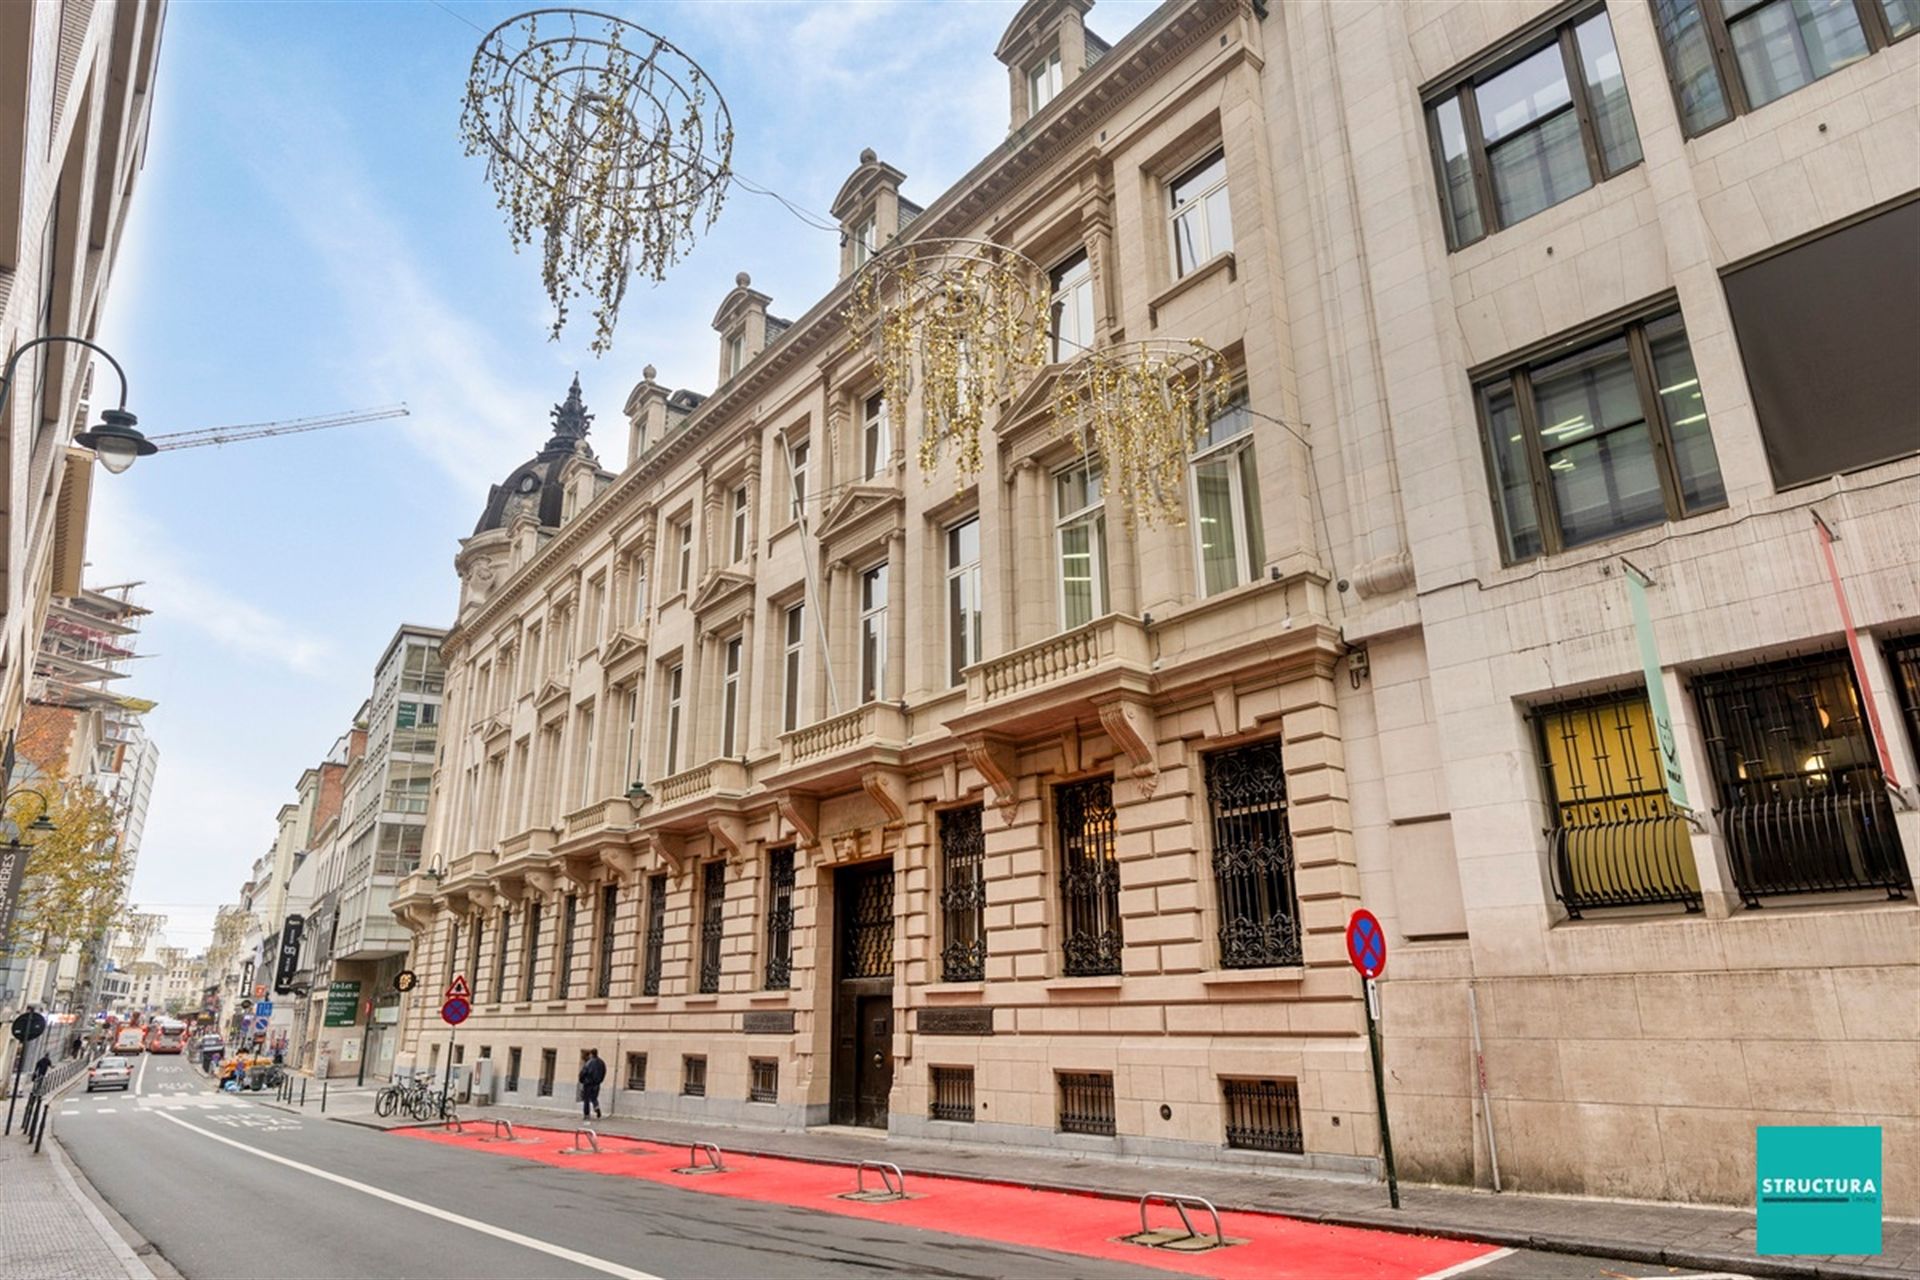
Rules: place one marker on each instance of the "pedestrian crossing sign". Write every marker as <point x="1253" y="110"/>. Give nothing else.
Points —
<point x="458" y="989"/>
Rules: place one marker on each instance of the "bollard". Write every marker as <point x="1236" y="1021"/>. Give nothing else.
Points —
<point x="303" y="1091"/>
<point x="42" y="1133"/>
<point x="323" y="1097"/>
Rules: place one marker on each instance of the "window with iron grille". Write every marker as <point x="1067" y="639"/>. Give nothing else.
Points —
<point x="1253" y="857"/>
<point x="779" y="919"/>
<point x="513" y="1071"/>
<point x="530" y="952"/>
<point x="474" y="936"/>
<point x="1263" y="1115"/>
<point x="637" y="1072"/>
<point x="1616" y="840"/>
<point x="867" y="947"/>
<point x="1803" y="805"/>
<point x="563" y="972"/>
<point x="952" y="1094"/>
<point x="500" y="954"/>
<point x="963" y="896"/>
<point x="713" y="901"/>
<point x="1089" y="877"/>
<point x="656" y="933"/>
<point x="1903" y="656"/>
<point x="1086" y="1102"/>
<point x="764" y="1082"/>
<point x="603" y="963"/>
<point x="693" y="1076"/>
<point x="549" y="1062"/>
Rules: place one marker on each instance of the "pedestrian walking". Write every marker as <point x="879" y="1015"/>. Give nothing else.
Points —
<point x="40" y="1070"/>
<point x="592" y="1072"/>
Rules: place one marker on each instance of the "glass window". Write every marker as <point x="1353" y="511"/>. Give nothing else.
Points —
<point x="713" y="922"/>
<point x="1226" y="503"/>
<point x="1739" y="55"/>
<point x="683" y="532"/>
<point x="963" y="896"/>
<point x="865" y="241"/>
<point x="739" y="524"/>
<point x="1202" y="220"/>
<point x="674" y="675"/>
<point x="1043" y="82"/>
<point x="876" y="451"/>
<point x="730" y="699"/>
<point x="792" y="671"/>
<point x="1253" y="857"/>
<point x="584" y="758"/>
<point x="1080" y="523"/>
<point x="799" y="457"/>
<point x="1089" y="877"/>
<point x="1532" y="131"/>
<point x="736" y="353"/>
<point x="873" y="633"/>
<point x="780" y="878"/>
<point x="1072" y="307"/>
<point x="654" y="950"/>
<point x="628" y="776"/>
<point x="963" y="598"/>
<point x="1609" y="438"/>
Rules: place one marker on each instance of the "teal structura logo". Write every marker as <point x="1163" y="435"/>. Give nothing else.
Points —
<point x="1818" y="1188"/>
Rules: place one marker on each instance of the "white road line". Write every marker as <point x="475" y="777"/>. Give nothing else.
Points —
<point x="1461" y="1268"/>
<point x="141" y="1078"/>
<point x="484" y="1228"/>
<point x="104" y="1111"/>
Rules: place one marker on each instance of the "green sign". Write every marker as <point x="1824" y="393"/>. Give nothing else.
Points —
<point x="1819" y="1188"/>
<point x="343" y="1004"/>
<point x="1669" y="749"/>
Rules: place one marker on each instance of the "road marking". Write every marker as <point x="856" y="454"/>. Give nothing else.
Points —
<point x="140" y="1078"/>
<point x="1461" y="1268"/>
<point x="379" y="1193"/>
<point x="104" y="1111"/>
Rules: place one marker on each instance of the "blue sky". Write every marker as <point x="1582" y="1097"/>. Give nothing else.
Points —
<point x="308" y="236"/>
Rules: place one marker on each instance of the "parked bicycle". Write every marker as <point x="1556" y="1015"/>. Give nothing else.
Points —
<point x="419" y="1097"/>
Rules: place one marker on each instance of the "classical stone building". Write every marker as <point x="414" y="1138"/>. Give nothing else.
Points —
<point x="807" y="788"/>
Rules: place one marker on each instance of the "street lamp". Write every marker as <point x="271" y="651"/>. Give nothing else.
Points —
<point x="117" y="441"/>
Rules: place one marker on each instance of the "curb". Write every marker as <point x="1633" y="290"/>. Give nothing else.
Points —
<point x="1750" y="1265"/>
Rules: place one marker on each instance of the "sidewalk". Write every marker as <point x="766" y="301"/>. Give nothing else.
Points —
<point x="48" y="1227"/>
<point x="1698" y="1238"/>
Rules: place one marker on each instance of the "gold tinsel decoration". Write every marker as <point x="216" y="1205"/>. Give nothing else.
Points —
<point x="603" y="141"/>
<point x="1142" y="407"/>
<point x="963" y="320"/>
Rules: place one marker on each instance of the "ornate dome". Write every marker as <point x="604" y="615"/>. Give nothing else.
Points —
<point x="538" y="485"/>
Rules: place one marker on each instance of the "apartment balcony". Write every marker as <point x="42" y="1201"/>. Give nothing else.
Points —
<point x="615" y="813"/>
<point x="680" y="794"/>
<point x="834" y="752"/>
<point x="1040" y="685"/>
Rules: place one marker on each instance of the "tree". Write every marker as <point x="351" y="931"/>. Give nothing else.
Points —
<point x="77" y="874"/>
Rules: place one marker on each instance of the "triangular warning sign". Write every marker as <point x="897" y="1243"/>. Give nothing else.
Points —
<point x="460" y="990"/>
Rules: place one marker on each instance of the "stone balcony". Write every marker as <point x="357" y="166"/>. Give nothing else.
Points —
<point x="715" y="778"/>
<point x="1033" y="686"/>
<point x="837" y="749"/>
<point x="614" y="813"/>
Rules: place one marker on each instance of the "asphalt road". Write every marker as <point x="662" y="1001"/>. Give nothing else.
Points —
<point x="228" y="1186"/>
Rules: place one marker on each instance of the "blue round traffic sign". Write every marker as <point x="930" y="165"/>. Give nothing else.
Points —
<point x="455" y="1011"/>
<point x="1366" y="944"/>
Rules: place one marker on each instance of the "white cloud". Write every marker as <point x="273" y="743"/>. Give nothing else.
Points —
<point x="125" y="546"/>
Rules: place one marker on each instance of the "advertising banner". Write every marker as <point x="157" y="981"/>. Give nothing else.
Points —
<point x="343" y="1004"/>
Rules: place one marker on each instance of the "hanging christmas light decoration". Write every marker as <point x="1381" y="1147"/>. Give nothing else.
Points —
<point x="603" y="141"/>
<point x="965" y="321"/>
<point x="1142" y="407"/>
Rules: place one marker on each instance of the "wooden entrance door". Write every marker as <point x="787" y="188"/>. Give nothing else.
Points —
<point x="863" y="995"/>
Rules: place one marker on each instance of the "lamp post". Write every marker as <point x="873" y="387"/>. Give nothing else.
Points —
<point x="117" y="441"/>
<point x="13" y="857"/>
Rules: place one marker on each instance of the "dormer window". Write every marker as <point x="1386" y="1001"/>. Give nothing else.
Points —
<point x="1043" y="82"/>
<point x="865" y="241"/>
<point x="736" y="354"/>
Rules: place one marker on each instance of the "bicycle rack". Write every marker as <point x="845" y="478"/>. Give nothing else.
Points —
<point x="592" y="1147"/>
<point x="703" y="1157"/>
<point x="498" y="1125"/>
<point x="1186" y="1240"/>
<point x="453" y="1124"/>
<point x="893" y="1183"/>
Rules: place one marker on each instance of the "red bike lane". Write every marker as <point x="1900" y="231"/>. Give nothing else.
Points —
<point x="1274" y="1248"/>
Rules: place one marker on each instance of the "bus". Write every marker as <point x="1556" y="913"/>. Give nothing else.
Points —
<point x="166" y="1036"/>
<point x="130" y="1040"/>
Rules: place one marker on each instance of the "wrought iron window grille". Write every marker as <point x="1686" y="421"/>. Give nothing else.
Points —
<point x="765" y="1083"/>
<point x="963" y="896"/>
<point x="1089" y="878"/>
<point x="1086" y="1102"/>
<point x="952" y="1094"/>
<point x="693" y="1076"/>
<point x="780" y="879"/>
<point x="869" y="934"/>
<point x="1253" y="864"/>
<point x="1264" y="1115"/>
<point x="1803" y="804"/>
<point x="656" y="933"/>
<point x="713" y="895"/>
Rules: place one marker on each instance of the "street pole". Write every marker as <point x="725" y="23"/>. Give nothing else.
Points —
<point x="446" y="1082"/>
<point x="366" y="1045"/>
<point x="1380" y="1094"/>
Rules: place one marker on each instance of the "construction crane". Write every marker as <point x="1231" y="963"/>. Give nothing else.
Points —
<point x="285" y="427"/>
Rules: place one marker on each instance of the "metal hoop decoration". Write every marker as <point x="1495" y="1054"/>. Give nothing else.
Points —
<point x="1143" y="406"/>
<point x="965" y="320"/>
<point x="603" y="140"/>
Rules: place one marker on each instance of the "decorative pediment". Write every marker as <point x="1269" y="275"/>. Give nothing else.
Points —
<point x="859" y="505"/>
<point x="622" y="642"/>
<point x="721" y="586"/>
<point x="551" y="690"/>
<point x="490" y="728"/>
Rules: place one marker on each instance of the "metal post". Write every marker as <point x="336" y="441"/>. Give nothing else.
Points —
<point x="303" y="1092"/>
<point x="323" y="1097"/>
<point x="1480" y="1073"/>
<point x="366" y="1047"/>
<point x="13" y="1094"/>
<point x="446" y="1080"/>
<point x="1380" y="1094"/>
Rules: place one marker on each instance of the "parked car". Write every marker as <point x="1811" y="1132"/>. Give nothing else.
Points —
<point x="110" y="1073"/>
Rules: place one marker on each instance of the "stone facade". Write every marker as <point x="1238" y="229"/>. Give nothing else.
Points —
<point x="622" y="720"/>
